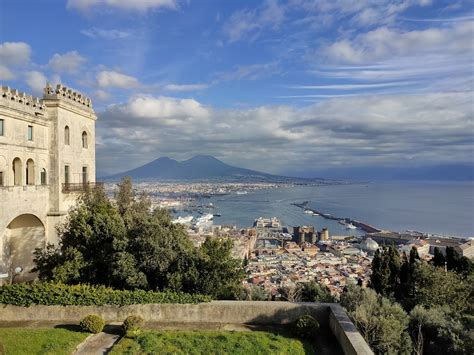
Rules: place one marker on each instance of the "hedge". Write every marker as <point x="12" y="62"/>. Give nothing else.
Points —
<point x="46" y="293"/>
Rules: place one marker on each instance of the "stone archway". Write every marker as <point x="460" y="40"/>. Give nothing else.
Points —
<point x="23" y="235"/>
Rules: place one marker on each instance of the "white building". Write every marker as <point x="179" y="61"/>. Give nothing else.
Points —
<point x="47" y="156"/>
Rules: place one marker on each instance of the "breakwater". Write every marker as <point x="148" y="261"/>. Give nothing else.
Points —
<point x="362" y="225"/>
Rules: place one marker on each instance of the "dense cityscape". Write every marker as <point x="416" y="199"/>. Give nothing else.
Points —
<point x="291" y="177"/>
<point x="279" y="256"/>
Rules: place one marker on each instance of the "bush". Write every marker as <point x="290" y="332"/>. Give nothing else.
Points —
<point x="92" y="324"/>
<point x="48" y="293"/>
<point x="132" y="325"/>
<point x="306" y="327"/>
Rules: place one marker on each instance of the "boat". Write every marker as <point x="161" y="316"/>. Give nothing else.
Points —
<point x="308" y="212"/>
<point x="183" y="220"/>
<point x="217" y="214"/>
<point x="205" y="219"/>
<point x="350" y="226"/>
<point x="241" y="192"/>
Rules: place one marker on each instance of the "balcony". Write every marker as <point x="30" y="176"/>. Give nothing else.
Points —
<point x="80" y="187"/>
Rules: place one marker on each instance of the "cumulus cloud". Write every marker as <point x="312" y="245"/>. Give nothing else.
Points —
<point x="161" y="110"/>
<point x="69" y="62"/>
<point x="36" y="81"/>
<point x="138" y="5"/>
<point x="109" y="78"/>
<point x="5" y="73"/>
<point x="102" y="95"/>
<point x="346" y="131"/>
<point x="15" y="53"/>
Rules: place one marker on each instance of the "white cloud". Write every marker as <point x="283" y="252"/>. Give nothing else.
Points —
<point x="166" y="110"/>
<point x="248" y="23"/>
<point x="102" y="95"/>
<point x="138" y="5"/>
<point x="36" y="81"/>
<point x="384" y="43"/>
<point x="69" y="62"/>
<point x="105" y="34"/>
<point x="185" y="87"/>
<point x="108" y="78"/>
<point x="251" y="72"/>
<point x="349" y="131"/>
<point x="5" y="73"/>
<point x="14" y="53"/>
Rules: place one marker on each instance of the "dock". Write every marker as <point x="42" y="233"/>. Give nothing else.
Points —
<point x="361" y="225"/>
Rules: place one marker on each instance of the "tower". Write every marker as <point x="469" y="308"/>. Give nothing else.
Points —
<point x="47" y="157"/>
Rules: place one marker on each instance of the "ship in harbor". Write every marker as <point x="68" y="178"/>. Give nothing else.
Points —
<point x="183" y="220"/>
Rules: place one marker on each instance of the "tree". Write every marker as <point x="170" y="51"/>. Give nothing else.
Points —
<point x="125" y="246"/>
<point x="458" y="263"/>
<point x="385" y="271"/>
<point x="88" y="241"/>
<point x="291" y="293"/>
<point x="256" y="293"/>
<point x="438" y="258"/>
<point x="314" y="292"/>
<point x="414" y="257"/>
<point x="381" y="322"/>
<point x="437" y="331"/>
<point x="220" y="274"/>
<point x="436" y="288"/>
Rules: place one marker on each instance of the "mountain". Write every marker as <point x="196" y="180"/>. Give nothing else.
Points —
<point x="201" y="167"/>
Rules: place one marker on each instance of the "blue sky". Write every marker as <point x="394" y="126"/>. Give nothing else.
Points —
<point x="298" y="86"/>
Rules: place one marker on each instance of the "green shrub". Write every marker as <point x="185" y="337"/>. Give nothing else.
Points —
<point x="132" y="325"/>
<point x="49" y="293"/>
<point x="92" y="323"/>
<point x="306" y="327"/>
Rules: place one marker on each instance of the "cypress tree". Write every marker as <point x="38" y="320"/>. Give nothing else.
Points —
<point x="438" y="259"/>
<point x="414" y="257"/>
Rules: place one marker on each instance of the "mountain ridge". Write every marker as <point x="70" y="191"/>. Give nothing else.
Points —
<point x="199" y="167"/>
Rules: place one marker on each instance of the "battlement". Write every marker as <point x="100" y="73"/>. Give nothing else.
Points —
<point x="25" y="102"/>
<point x="64" y="93"/>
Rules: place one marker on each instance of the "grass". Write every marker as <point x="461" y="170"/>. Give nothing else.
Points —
<point x="25" y="341"/>
<point x="211" y="342"/>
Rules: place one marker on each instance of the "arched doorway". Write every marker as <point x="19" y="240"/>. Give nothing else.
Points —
<point x="23" y="235"/>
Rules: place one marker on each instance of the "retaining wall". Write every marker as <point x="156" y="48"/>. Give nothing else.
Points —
<point x="225" y="312"/>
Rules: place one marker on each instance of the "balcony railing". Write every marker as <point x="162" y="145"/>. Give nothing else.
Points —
<point x="81" y="187"/>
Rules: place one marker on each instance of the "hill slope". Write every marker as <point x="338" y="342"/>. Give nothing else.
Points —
<point x="201" y="167"/>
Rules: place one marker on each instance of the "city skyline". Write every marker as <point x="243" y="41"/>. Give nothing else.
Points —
<point x="310" y="86"/>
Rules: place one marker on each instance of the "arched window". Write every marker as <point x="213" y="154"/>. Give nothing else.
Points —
<point x="43" y="176"/>
<point x="84" y="139"/>
<point x="30" y="172"/>
<point x="17" y="171"/>
<point x="66" y="135"/>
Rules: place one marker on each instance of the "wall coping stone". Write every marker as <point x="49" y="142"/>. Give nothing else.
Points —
<point x="222" y="312"/>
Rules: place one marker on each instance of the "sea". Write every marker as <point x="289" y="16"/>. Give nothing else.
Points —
<point x="445" y="208"/>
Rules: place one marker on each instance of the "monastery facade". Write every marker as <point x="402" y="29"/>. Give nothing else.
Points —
<point x="47" y="157"/>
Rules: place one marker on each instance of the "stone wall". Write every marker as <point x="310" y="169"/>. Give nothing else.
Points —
<point x="225" y="312"/>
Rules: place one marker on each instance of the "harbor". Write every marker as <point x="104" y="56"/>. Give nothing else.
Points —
<point x="348" y="222"/>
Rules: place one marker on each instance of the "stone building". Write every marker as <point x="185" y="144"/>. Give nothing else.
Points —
<point x="47" y="156"/>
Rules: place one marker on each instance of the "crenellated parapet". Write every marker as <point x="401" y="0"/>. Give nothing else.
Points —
<point x="69" y="95"/>
<point x="21" y="101"/>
